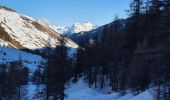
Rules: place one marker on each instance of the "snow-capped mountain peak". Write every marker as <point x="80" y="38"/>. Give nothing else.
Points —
<point x="84" y="27"/>
<point x="77" y="28"/>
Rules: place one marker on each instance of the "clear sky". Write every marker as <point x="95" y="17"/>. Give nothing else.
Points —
<point x="67" y="12"/>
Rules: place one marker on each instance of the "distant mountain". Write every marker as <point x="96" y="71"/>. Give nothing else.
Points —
<point x="23" y="32"/>
<point x="84" y="37"/>
<point x="77" y="28"/>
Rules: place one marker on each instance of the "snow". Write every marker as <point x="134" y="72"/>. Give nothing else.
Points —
<point x="29" y="60"/>
<point x="79" y="28"/>
<point x="80" y="91"/>
<point x="31" y="90"/>
<point x="30" y="37"/>
<point x="74" y="29"/>
<point x="144" y="96"/>
<point x="126" y="97"/>
<point x="71" y="52"/>
<point x="59" y="29"/>
<point x="3" y="43"/>
<point x="21" y="29"/>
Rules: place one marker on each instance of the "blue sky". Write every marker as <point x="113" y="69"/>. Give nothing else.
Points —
<point x="67" y="12"/>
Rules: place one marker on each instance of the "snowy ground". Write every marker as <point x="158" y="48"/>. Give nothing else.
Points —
<point x="29" y="60"/>
<point x="80" y="91"/>
<point x="74" y="91"/>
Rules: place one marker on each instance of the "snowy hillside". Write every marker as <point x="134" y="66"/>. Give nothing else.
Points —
<point x="80" y="91"/>
<point x="25" y="32"/>
<point x="29" y="60"/>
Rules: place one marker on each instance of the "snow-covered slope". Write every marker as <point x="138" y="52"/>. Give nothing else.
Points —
<point x="29" y="60"/>
<point x="25" y="32"/>
<point x="80" y="91"/>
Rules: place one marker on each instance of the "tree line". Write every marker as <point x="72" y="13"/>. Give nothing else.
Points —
<point x="13" y="76"/>
<point x="135" y="57"/>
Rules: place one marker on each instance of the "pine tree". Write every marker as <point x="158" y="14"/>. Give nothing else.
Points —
<point x="154" y="7"/>
<point x="3" y="82"/>
<point x="79" y="64"/>
<point x="166" y="4"/>
<point x="136" y="8"/>
<point x="13" y="81"/>
<point x="37" y="77"/>
<point x="57" y="72"/>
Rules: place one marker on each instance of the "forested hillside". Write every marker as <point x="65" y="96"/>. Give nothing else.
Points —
<point x="135" y="57"/>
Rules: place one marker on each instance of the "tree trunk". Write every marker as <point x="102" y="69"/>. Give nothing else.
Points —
<point x="19" y="92"/>
<point x="62" y="92"/>
<point x="158" y="93"/>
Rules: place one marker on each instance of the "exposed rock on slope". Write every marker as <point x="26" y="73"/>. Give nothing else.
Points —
<point x="24" y="32"/>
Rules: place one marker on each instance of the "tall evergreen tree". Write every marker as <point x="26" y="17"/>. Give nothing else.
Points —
<point x="136" y="8"/>
<point x="57" y="72"/>
<point x="3" y="82"/>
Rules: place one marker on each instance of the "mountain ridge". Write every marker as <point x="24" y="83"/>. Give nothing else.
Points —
<point x="77" y="28"/>
<point x="24" y="32"/>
